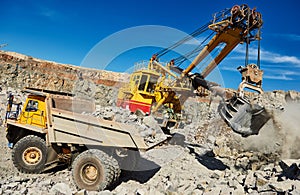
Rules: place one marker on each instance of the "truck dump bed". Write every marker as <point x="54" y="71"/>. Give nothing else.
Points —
<point x="74" y="128"/>
<point x="66" y="121"/>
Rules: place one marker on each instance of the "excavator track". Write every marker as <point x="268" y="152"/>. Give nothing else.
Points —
<point x="243" y="117"/>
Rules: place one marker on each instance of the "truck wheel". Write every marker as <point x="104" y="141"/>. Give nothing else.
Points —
<point x="94" y="170"/>
<point x="29" y="154"/>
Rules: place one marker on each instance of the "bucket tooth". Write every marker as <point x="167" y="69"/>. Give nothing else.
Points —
<point x="232" y="107"/>
<point x="224" y="115"/>
<point x="228" y="111"/>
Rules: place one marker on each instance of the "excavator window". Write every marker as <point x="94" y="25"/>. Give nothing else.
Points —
<point x="136" y="79"/>
<point x="143" y="82"/>
<point x="151" y="84"/>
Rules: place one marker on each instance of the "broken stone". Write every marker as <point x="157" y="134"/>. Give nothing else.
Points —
<point x="213" y="191"/>
<point x="250" y="180"/>
<point x="241" y="179"/>
<point x="222" y="151"/>
<point x="151" y="122"/>
<point x="239" y="190"/>
<point x="242" y="163"/>
<point x="45" y="183"/>
<point x="217" y="174"/>
<point x="81" y="192"/>
<point x="196" y="192"/>
<point x="107" y="192"/>
<point x="226" y="190"/>
<point x="232" y="183"/>
<point x="23" y="190"/>
<point x="261" y="182"/>
<point x="61" y="188"/>
<point x="140" y="192"/>
<point x="282" y="187"/>
<point x="12" y="185"/>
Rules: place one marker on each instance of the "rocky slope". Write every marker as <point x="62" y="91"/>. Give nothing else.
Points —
<point x="202" y="157"/>
<point x="19" y="71"/>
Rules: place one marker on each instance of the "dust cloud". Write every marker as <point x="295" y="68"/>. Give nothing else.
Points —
<point x="280" y="136"/>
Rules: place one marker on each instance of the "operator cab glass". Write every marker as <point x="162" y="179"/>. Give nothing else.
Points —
<point x="147" y="83"/>
<point x="32" y="106"/>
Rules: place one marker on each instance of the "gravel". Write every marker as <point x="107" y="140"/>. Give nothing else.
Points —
<point x="211" y="159"/>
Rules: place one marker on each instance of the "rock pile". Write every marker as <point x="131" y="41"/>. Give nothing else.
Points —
<point x="178" y="178"/>
<point x="145" y="126"/>
<point x="210" y="158"/>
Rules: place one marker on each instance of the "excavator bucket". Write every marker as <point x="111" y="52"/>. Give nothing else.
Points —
<point x="243" y="117"/>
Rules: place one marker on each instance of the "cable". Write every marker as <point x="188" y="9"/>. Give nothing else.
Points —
<point x="179" y="60"/>
<point x="185" y="39"/>
<point x="258" y="49"/>
<point x="195" y="33"/>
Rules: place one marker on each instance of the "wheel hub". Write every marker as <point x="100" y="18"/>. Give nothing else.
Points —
<point x="91" y="172"/>
<point x="32" y="155"/>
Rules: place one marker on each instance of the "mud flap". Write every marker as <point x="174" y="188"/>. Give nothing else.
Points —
<point x="244" y="118"/>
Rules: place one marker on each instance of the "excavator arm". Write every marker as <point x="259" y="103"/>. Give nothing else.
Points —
<point x="242" y="115"/>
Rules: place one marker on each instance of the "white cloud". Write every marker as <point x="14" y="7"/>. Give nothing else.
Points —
<point x="228" y="68"/>
<point x="291" y="37"/>
<point x="285" y="59"/>
<point x="275" y="70"/>
<point x="278" y="77"/>
<point x="277" y="58"/>
<point x="266" y="56"/>
<point x="47" y="12"/>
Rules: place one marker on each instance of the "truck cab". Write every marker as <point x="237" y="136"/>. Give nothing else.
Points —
<point x="34" y="111"/>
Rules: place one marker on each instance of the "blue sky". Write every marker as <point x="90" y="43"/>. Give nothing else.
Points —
<point x="66" y="31"/>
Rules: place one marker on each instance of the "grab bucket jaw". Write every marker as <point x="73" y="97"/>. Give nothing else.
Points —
<point x="243" y="117"/>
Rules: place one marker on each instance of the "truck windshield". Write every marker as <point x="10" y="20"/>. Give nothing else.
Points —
<point x="32" y="106"/>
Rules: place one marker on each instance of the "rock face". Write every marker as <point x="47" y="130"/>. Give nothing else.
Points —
<point x="210" y="158"/>
<point x="19" y="71"/>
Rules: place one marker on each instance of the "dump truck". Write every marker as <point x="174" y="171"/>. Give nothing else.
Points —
<point x="52" y="130"/>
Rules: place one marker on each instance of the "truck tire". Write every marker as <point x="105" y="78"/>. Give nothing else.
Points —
<point x="94" y="170"/>
<point x="29" y="155"/>
<point x="115" y="169"/>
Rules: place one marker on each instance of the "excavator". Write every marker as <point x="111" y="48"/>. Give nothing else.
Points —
<point x="161" y="89"/>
